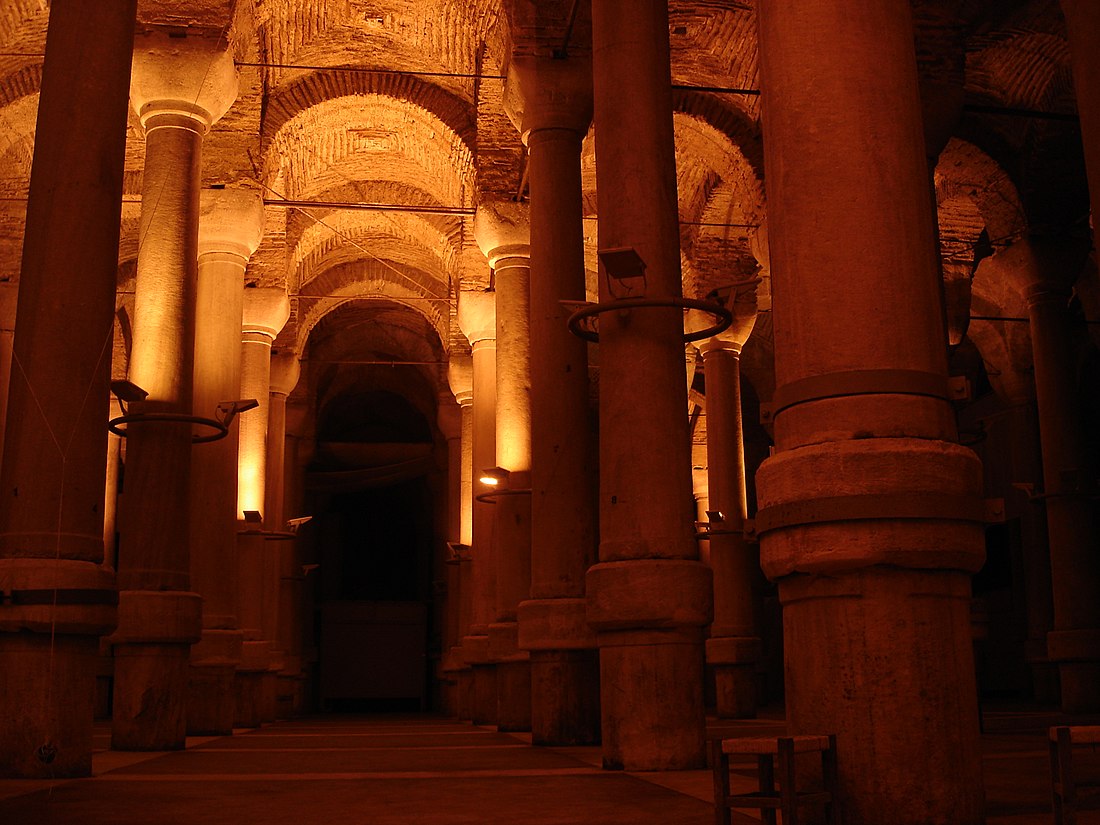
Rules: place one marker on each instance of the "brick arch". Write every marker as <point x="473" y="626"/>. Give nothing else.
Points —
<point x="389" y="140"/>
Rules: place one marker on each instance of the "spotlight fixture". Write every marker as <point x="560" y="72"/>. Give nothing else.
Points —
<point x="128" y="392"/>
<point x="622" y="263"/>
<point x="253" y="517"/>
<point x="228" y="410"/>
<point x="294" y="524"/>
<point x="493" y="477"/>
<point x="715" y="516"/>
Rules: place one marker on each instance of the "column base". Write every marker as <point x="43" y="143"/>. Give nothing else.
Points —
<point x="565" y="697"/>
<point x="513" y="696"/>
<point x="269" y="690"/>
<point x="284" y="695"/>
<point x="211" y="700"/>
<point x="651" y="692"/>
<point x="248" y="692"/>
<point x="483" y="710"/>
<point x="40" y="740"/>
<point x="735" y="691"/>
<point x="464" y="694"/>
<point x="1077" y="653"/>
<point x="150" y="697"/>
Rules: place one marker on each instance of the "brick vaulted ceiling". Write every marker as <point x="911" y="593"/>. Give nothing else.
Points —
<point x="402" y="102"/>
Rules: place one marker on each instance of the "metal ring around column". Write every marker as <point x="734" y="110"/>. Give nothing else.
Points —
<point x="220" y="429"/>
<point x="724" y="316"/>
<point x="487" y="498"/>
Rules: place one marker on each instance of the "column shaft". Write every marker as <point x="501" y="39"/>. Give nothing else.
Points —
<point x="650" y="596"/>
<point x="876" y="610"/>
<point x="1083" y="33"/>
<point x="564" y="662"/>
<point x="55" y="440"/>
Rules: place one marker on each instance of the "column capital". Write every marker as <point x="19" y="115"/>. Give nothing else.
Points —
<point x="286" y="369"/>
<point x="231" y="221"/>
<point x="477" y="315"/>
<point x="266" y="311"/>
<point x="460" y="376"/>
<point x="503" y="230"/>
<point x="546" y="93"/>
<point x="190" y="77"/>
<point x="449" y="415"/>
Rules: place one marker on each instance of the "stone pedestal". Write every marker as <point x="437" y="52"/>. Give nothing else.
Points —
<point x="869" y="513"/>
<point x="66" y="312"/>
<point x="649" y="597"/>
<point x="180" y="87"/>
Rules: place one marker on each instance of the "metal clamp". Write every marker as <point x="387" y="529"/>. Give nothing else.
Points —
<point x="588" y="332"/>
<point x="864" y="382"/>
<point x="878" y="507"/>
<point x="220" y="430"/>
<point x="487" y="498"/>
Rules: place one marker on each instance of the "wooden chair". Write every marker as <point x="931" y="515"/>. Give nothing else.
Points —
<point x="1065" y="787"/>
<point x="768" y="799"/>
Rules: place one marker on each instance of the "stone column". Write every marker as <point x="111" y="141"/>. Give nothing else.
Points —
<point x="180" y="87"/>
<point x="556" y="97"/>
<point x="1045" y="268"/>
<point x="266" y="310"/>
<point x="477" y="319"/>
<point x="230" y="229"/>
<point x="460" y="375"/>
<point x="869" y="512"/>
<point x="51" y="521"/>
<point x="504" y="236"/>
<point x="449" y="421"/>
<point x="286" y="369"/>
<point x="9" y="295"/>
<point x="649" y="598"/>
<point x="1083" y="33"/>
<point x="733" y="648"/>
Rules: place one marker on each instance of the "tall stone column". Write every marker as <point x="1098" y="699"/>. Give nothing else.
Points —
<point x="230" y="230"/>
<point x="556" y="98"/>
<point x="1083" y="32"/>
<point x="266" y="310"/>
<point x="504" y="236"/>
<point x="477" y="319"/>
<point x="460" y="376"/>
<point x="9" y="295"/>
<point x="649" y="598"/>
<point x="51" y="519"/>
<point x="733" y="648"/>
<point x="1046" y="269"/>
<point x="869" y="512"/>
<point x="286" y="369"/>
<point x="180" y="87"/>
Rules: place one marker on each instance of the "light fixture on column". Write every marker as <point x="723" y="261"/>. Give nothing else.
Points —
<point x="252" y="517"/>
<point x="496" y="477"/>
<point x="228" y="410"/>
<point x="127" y="393"/>
<point x="293" y="524"/>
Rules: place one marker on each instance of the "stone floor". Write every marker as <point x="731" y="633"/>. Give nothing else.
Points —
<point x="385" y="770"/>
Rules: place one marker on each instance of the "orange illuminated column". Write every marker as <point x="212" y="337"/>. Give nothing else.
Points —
<point x="180" y="87"/>
<point x="447" y="568"/>
<point x="733" y="648"/>
<point x="1047" y="268"/>
<point x="503" y="235"/>
<point x="649" y="598"/>
<point x="1083" y="32"/>
<point x="477" y="320"/>
<point x="461" y="378"/>
<point x="286" y="369"/>
<point x="556" y="100"/>
<point x="8" y="297"/>
<point x="51" y="520"/>
<point x="266" y="310"/>
<point x="230" y="229"/>
<point x="870" y="517"/>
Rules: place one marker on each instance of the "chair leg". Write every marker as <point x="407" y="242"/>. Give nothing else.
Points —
<point x="1065" y="777"/>
<point x="831" y="782"/>
<point x="1055" y="787"/>
<point x="720" y="763"/>
<point x="766" y="773"/>
<point x="788" y="789"/>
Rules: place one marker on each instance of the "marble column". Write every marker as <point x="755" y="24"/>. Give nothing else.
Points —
<point x="230" y="230"/>
<point x="51" y="518"/>
<point x="503" y="233"/>
<point x="1083" y="33"/>
<point x="266" y="310"/>
<point x="556" y="100"/>
<point x="9" y="295"/>
<point x="870" y="516"/>
<point x="460" y="376"/>
<point x="180" y="87"/>
<point x="449" y="421"/>
<point x="1045" y="269"/>
<point x="733" y="649"/>
<point x="649" y="598"/>
<point x="477" y="320"/>
<point x="286" y="369"/>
